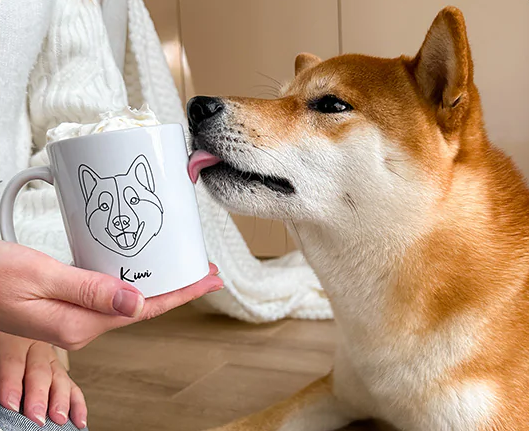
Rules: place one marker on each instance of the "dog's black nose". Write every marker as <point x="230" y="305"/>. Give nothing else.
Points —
<point x="201" y="108"/>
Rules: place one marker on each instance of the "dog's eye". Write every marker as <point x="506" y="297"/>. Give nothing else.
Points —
<point x="104" y="206"/>
<point x="330" y="104"/>
<point x="134" y="200"/>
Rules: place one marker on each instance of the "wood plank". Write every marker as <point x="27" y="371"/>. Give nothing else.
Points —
<point x="190" y="371"/>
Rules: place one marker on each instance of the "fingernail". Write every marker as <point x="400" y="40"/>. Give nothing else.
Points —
<point x="128" y="303"/>
<point x="83" y="424"/>
<point x="216" y="288"/>
<point x="61" y="411"/>
<point x="13" y="401"/>
<point x="40" y="414"/>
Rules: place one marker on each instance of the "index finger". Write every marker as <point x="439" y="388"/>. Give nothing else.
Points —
<point x="161" y="304"/>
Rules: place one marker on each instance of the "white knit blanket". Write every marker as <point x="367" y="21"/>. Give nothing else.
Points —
<point x="80" y="73"/>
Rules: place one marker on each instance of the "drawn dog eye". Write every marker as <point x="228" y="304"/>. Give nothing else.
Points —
<point x="330" y="104"/>
<point x="105" y="201"/>
<point x="131" y="196"/>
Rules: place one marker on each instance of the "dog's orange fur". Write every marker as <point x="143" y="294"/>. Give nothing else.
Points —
<point x="475" y="258"/>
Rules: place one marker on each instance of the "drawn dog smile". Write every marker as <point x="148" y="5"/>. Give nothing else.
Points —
<point x="127" y="240"/>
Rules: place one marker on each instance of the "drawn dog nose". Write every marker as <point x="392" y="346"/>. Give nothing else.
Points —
<point x="121" y="222"/>
<point x="201" y="108"/>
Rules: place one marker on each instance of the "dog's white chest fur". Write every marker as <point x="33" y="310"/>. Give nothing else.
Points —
<point x="395" y="375"/>
<point x="402" y="388"/>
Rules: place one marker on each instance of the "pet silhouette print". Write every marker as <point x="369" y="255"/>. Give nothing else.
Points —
<point x="123" y="212"/>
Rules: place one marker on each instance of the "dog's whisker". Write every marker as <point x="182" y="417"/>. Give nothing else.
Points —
<point x="225" y="224"/>
<point x="298" y="235"/>
<point x="265" y="85"/>
<point x="265" y="93"/>
<point x="255" y="159"/>
<point x="396" y="160"/>
<point x="274" y="90"/>
<point x="270" y="155"/>
<point x="329" y="78"/>
<point x="272" y="79"/>
<point x="395" y="173"/>
<point x="352" y="205"/>
<point x="273" y="138"/>
<point x="354" y="210"/>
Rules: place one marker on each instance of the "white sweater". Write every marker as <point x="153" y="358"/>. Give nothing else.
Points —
<point x="57" y="63"/>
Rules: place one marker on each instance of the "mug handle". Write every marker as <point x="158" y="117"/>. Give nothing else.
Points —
<point x="7" y="203"/>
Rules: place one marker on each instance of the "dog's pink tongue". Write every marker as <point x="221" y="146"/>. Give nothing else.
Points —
<point x="199" y="160"/>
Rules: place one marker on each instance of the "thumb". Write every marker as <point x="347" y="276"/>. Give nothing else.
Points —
<point x="95" y="291"/>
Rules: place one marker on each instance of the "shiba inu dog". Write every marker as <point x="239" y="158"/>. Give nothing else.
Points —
<point x="417" y="227"/>
<point x="123" y="212"/>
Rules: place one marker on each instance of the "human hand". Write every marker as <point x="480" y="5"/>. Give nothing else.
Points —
<point x="34" y="366"/>
<point x="43" y="299"/>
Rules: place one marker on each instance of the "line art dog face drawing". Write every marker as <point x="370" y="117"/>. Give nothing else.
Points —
<point x="122" y="212"/>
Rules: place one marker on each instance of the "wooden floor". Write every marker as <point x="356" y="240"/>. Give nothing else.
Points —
<point x="187" y="371"/>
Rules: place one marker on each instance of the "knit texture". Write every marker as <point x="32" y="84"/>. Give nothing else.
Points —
<point x="75" y="76"/>
<point x="23" y="26"/>
<point x="255" y="291"/>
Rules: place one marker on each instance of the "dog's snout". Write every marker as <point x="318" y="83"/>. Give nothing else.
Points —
<point x="201" y="108"/>
<point x="121" y="222"/>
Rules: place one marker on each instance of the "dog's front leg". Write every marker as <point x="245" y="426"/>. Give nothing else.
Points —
<point x="314" y="408"/>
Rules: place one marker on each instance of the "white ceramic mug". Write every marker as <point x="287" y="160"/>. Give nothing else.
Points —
<point x="128" y="205"/>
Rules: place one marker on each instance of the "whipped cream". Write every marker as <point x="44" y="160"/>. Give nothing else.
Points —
<point x="126" y="118"/>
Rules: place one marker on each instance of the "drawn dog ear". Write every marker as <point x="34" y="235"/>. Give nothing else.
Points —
<point x="88" y="181"/>
<point x="143" y="172"/>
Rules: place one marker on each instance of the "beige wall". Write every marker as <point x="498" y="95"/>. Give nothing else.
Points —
<point x="229" y="44"/>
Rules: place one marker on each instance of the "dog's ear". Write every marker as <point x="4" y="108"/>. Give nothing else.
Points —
<point x="88" y="179"/>
<point x="443" y="68"/>
<point x="305" y="61"/>
<point x="143" y="172"/>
